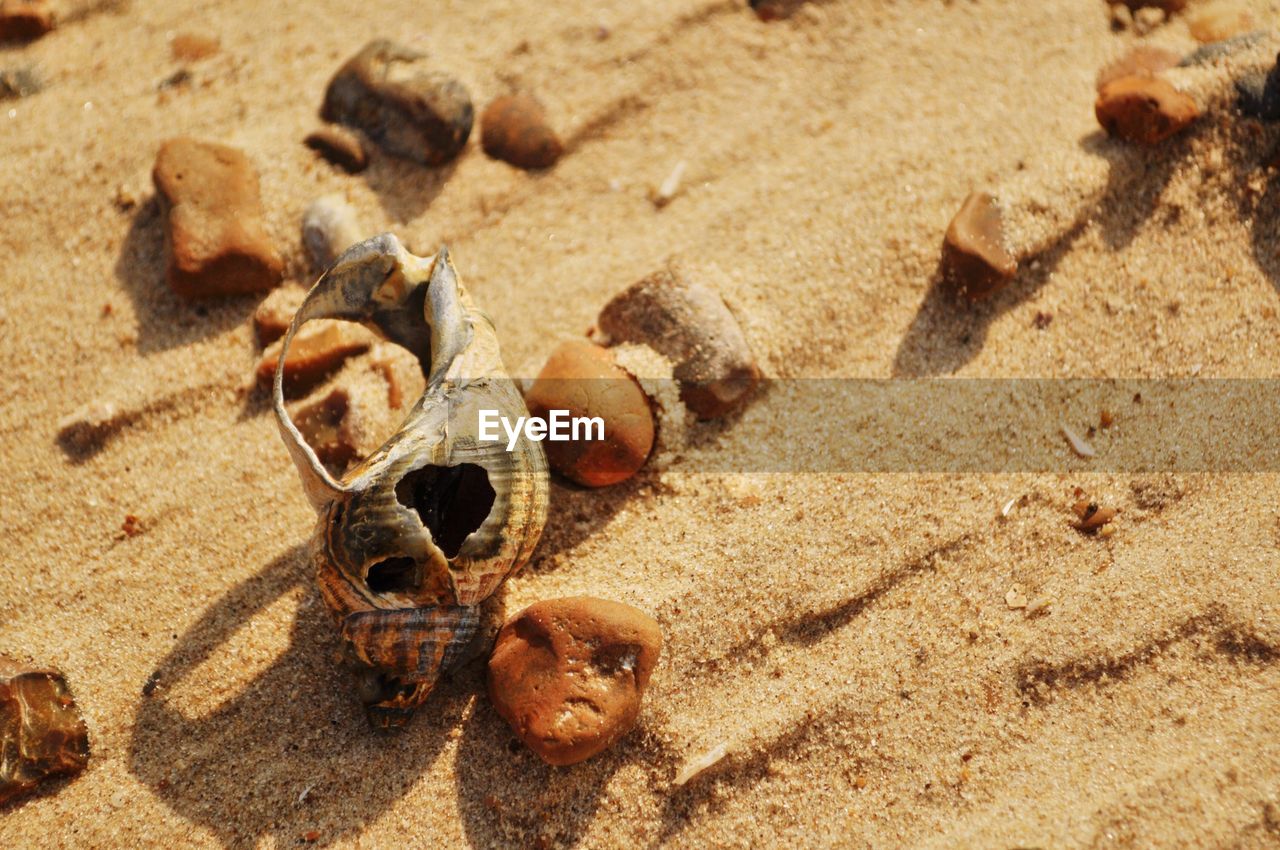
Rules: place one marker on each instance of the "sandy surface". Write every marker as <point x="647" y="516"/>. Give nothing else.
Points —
<point x="845" y="634"/>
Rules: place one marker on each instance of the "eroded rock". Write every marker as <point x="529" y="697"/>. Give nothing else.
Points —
<point x="976" y="262"/>
<point x="514" y="128"/>
<point x="215" y="238"/>
<point x="1144" y="110"/>
<point x="690" y="325"/>
<point x="41" y="732"/>
<point x="389" y="91"/>
<point x="568" y="674"/>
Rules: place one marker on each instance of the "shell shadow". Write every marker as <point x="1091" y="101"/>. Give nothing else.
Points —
<point x="947" y="332"/>
<point x="239" y="770"/>
<point x="165" y="320"/>
<point x="406" y="189"/>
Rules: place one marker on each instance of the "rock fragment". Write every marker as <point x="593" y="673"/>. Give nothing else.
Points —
<point x="584" y="380"/>
<point x="317" y="349"/>
<point x="25" y="20"/>
<point x="689" y="324"/>
<point x="1142" y="61"/>
<point x="41" y="732"/>
<point x="1093" y="516"/>
<point x="975" y="259"/>
<point x="271" y="319"/>
<point x="1219" y="21"/>
<point x="215" y="239"/>
<point x="329" y="227"/>
<point x="340" y="146"/>
<point x="192" y="47"/>
<point x="514" y="129"/>
<point x="1144" y="110"/>
<point x="387" y="91"/>
<point x="568" y="674"/>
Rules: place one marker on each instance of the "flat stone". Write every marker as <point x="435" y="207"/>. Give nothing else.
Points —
<point x="975" y="260"/>
<point x="514" y="129"/>
<point x="1144" y="110"/>
<point x="25" y="20"/>
<point x="215" y="238"/>
<point x="317" y="349"/>
<point x="583" y="379"/>
<point x="41" y="732"/>
<point x="414" y="112"/>
<point x="568" y="674"/>
<point x="340" y="146"/>
<point x="690" y="325"/>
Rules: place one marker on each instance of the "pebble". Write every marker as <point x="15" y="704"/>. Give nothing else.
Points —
<point x="1219" y="21"/>
<point x="568" y="674"/>
<point x="42" y="734"/>
<point x="514" y="129"/>
<point x="1141" y="61"/>
<point x="317" y="349"/>
<point x="975" y="259"/>
<point x="386" y="91"/>
<point x="329" y="227"/>
<point x="1260" y="94"/>
<point x="340" y="146"/>
<point x="1093" y="516"/>
<point x="271" y="319"/>
<point x="215" y="238"/>
<point x="25" y="20"/>
<point x="1144" y="110"/>
<point x="327" y="428"/>
<point x="584" y="379"/>
<point x="689" y="324"/>
<point x="192" y="47"/>
<point x="19" y="82"/>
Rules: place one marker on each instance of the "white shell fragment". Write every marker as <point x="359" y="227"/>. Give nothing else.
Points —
<point x="329" y="227"/>
<point x="700" y="763"/>
<point x="1078" y="443"/>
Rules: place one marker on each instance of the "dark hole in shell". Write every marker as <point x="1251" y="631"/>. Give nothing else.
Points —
<point x="451" y="501"/>
<point x="393" y="575"/>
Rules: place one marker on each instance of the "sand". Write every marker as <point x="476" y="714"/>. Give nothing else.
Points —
<point x="845" y="635"/>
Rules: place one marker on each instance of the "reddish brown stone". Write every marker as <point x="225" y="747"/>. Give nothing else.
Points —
<point x="24" y="20"/>
<point x="1144" y="110"/>
<point x="975" y="260"/>
<point x="317" y="349"/>
<point x="690" y="325"/>
<point x="1142" y="61"/>
<point x="583" y="379"/>
<point x="514" y="129"/>
<point x="568" y="674"/>
<point x="215" y="239"/>
<point x="192" y="47"/>
<point x="41" y="732"/>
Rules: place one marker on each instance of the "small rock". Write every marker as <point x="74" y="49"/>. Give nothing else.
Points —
<point x="329" y="227"/>
<point x="583" y="379"/>
<point x="215" y="238"/>
<point x="41" y="732"/>
<point x="690" y="325"/>
<point x="340" y="146"/>
<point x="192" y="47"/>
<point x="274" y="314"/>
<point x="414" y="113"/>
<point x="25" y="20"/>
<point x="1144" y="110"/>
<point x="1093" y="516"/>
<point x="19" y="82"/>
<point x="1142" y="61"/>
<point x="975" y="259"/>
<point x="568" y="674"/>
<point x="1260" y="94"/>
<point x="317" y="349"/>
<point x="1219" y="21"/>
<point x="325" y="426"/>
<point x="514" y="129"/>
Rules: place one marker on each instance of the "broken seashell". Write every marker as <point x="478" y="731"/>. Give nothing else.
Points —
<point x="415" y="537"/>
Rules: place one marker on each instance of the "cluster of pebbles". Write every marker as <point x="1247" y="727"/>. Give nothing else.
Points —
<point x="1145" y="99"/>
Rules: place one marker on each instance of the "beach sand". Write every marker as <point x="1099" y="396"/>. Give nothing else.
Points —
<point x="846" y="636"/>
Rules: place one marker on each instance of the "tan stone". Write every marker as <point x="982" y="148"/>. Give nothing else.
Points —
<point x="975" y="260"/>
<point x="568" y="674"/>
<point x="271" y="319"/>
<point x="215" y="238"/>
<point x="514" y="129"/>
<point x="1144" y="110"/>
<point x="318" y="348"/>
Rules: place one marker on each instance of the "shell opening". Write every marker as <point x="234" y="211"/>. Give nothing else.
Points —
<point x="451" y="501"/>
<point x="394" y="575"/>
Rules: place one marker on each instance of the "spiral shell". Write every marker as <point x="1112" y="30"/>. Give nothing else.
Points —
<point x="412" y="540"/>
